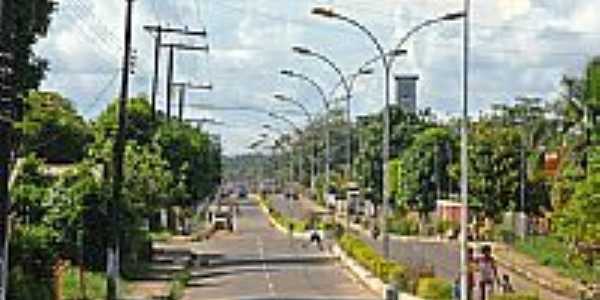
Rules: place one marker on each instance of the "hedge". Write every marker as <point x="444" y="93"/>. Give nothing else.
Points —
<point x="284" y="221"/>
<point x="516" y="297"/>
<point x="388" y="271"/>
<point x="434" y="289"/>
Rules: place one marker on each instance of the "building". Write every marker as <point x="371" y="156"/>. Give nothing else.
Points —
<point x="406" y="92"/>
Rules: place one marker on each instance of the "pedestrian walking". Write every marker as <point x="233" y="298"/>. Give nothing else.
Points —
<point x="315" y="237"/>
<point x="488" y="272"/>
<point x="375" y="232"/>
<point x="471" y="267"/>
<point x="456" y="289"/>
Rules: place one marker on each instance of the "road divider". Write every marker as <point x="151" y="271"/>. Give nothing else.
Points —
<point x="282" y="222"/>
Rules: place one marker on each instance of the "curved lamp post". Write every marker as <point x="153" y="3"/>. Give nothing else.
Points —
<point x="307" y="52"/>
<point x="279" y="144"/>
<point x="351" y="79"/>
<point x="299" y="132"/>
<point x="387" y="59"/>
<point x="284" y="98"/>
<point x="321" y="92"/>
<point x="296" y="129"/>
<point x="387" y="64"/>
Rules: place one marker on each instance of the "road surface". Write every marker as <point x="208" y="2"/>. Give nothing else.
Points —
<point x="256" y="265"/>
<point x="442" y="256"/>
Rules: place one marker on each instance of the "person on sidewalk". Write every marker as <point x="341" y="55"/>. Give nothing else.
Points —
<point x="488" y="272"/>
<point x="456" y="289"/>
<point x="375" y="232"/>
<point x="315" y="237"/>
<point x="471" y="267"/>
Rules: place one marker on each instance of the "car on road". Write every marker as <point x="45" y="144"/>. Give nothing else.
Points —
<point x="242" y="192"/>
<point x="223" y="221"/>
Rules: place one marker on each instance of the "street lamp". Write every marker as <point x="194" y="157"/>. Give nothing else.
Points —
<point x="307" y="52"/>
<point x="296" y="129"/>
<point x="387" y="59"/>
<point x="284" y="98"/>
<point x="351" y="79"/>
<point x="313" y="83"/>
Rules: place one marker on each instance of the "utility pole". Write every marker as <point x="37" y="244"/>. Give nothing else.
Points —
<point x="158" y="30"/>
<point x="118" y="156"/>
<point x="183" y="87"/>
<point x="157" y="42"/>
<point x="181" y="103"/>
<point x="171" y="67"/>
<point x="7" y="116"/>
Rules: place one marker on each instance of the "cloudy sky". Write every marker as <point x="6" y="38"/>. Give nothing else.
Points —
<point x="519" y="48"/>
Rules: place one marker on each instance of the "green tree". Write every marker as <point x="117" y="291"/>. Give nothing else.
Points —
<point x="140" y="125"/>
<point x="494" y="168"/>
<point x="426" y="166"/>
<point x="23" y="23"/>
<point x="53" y="130"/>
<point x="191" y="157"/>
<point x="579" y="220"/>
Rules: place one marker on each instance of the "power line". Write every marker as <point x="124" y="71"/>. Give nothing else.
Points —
<point x="100" y="93"/>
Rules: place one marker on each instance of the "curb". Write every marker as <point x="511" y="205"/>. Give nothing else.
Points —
<point x="366" y="277"/>
<point x="297" y="235"/>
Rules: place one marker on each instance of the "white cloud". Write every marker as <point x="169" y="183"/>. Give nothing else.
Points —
<point x="518" y="47"/>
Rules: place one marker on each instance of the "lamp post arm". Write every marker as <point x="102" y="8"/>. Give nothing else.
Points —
<point x="351" y="82"/>
<point x="285" y="120"/>
<point x="302" y="107"/>
<point x="316" y="86"/>
<point x="391" y="58"/>
<point x="411" y="32"/>
<point x="380" y="49"/>
<point x="343" y="79"/>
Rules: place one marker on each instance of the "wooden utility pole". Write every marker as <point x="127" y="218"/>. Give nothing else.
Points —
<point x="171" y="68"/>
<point x="118" y="155"/>
<point x="158" y="30"/>
<point x="7" y="96"/>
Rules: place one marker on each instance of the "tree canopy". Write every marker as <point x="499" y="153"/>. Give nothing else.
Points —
<point x="53" y="130"/>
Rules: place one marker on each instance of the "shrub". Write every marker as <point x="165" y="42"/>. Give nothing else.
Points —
<point x="178" y="285"/>
<point x="442" y="227"/>
<point x="515" y="297"/>
<point x="404" y="226"/>
<point x="434" y="289"/>
<point x="398" y="275"/>
<point x="388" y="271"/>
<point x="95" y="284"/>
<point x="23" y="286"/>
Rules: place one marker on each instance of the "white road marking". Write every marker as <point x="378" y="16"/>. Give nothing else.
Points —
<point x="261" y="250"/>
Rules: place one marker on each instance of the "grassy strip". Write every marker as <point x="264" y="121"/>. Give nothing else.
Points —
<point x="179" y="284"/>
<point x="516" y="297"/>
<point x="551" y="252"/>
<point x="161" y="236"/>
<point x="281" y="219"/>
<point x="95" y="285"/>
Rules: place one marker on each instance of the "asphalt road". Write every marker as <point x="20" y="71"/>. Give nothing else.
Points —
<point x="442" y="256"/>
<point x="267" y="278"/>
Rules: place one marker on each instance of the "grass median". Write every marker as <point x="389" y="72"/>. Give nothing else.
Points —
<point x="551" y="252"/>
<point x="281" y="219"/>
